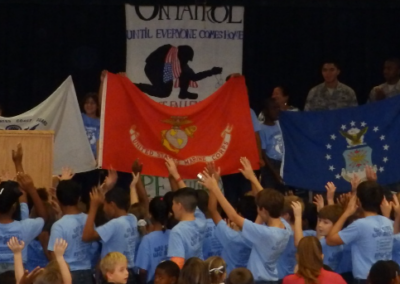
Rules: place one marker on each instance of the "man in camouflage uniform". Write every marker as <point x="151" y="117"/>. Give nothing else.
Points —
<point x="331" y="94"/>
<point x="391" y="72"/>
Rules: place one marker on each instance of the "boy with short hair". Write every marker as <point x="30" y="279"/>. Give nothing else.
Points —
<point x="371" y="237"/>
<point x="26" y="230"/>
<point x="240" y="276"/>
<point x="114" y="267"/>
<point x="264" y="254"/>
<point x="167" y="272"/>
<point x="70" y="228"/>
<point x="186" y="238"/>
<point x="120" y="234"/>
<point x="232" y="237"/>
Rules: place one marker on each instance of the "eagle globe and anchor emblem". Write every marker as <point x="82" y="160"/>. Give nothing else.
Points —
<point x="358" y="155"/>
<point x="176" y="138"/>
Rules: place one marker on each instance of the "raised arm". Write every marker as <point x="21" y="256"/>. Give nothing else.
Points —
<point x="333" y="238"/>
<point x="248" y="173"/>
<point x="133" y="186"/>
<point x="110" y="180"/>
<point x="212" y="201"/>
<point x="173" y="171"/>
<point x="212" y="185"/>
<point x="396" y="208"/>
<point x="16" y="247"/>
<point x="17" y="156"/>
<point x="26" y="184"/>
<point x="59" y="249"/>
<point x="298" y="229"/>
<point x="140" y="189"/>
<point x="330" y="193"/>
<point x="89" y="233"/>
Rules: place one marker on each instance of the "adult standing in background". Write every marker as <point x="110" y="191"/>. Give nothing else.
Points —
<point x="331" y="94"/>
<point x="391" y="73"/>
<point x="281" y="96"/>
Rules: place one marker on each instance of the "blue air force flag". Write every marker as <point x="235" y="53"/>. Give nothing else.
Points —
<point x="336" y="145"/>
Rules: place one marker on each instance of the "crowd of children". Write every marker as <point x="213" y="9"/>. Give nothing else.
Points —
<point x="194" y="236"/>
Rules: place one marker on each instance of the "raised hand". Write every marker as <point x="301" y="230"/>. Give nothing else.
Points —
<point x="212" y="171"/>
<point x="319" y="201"/>
<point x="172" y="169"/>
<point x="386" y="208"/>
<point x="355" y="181"/>
<point x="370" y="174"/>
<point x="351" y="206"/>
<point x="395" y="204"/>
<point x="330" y="192"/>
<point x="15" y="245"/>
<point x="247" y="170"/>
<point x="96" y="197"/>
<point x="66" y="174"/>
<point x="18" y="154"/>
<point x="297" y="209"/>
<point x="135" y="180"/>
<point x="343" y="199"/>
<point x="59" y="248"/>
<point x="25" y="182"/>
<point x="137" y="167"/>
<point x="111" y="179"/>
<point x="209" y="182"/>
<point x="29" y="278"/>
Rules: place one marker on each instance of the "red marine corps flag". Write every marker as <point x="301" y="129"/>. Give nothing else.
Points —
<point x="217" y="129"/>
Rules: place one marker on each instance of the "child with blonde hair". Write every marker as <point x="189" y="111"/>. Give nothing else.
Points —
<point x="114" y="267"/>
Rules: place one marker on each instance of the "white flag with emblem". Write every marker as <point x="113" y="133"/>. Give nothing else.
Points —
<point x="60" y="113"/>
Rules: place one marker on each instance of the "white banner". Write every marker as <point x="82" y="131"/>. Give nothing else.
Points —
<point x="60" y="113"/>
<point x="181" y="54"/>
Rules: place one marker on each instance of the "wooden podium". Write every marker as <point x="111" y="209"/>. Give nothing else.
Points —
<point x="38" y="154"/>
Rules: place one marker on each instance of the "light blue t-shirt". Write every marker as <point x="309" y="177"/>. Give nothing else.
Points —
<point x="36" y="256"/>
<point x="120" y="235"/>
<point x="152" y="250"/>
<point x="254" y="121"/>
<point x="92" y="127"/>
<point x="272" y="141"/>
<point x="186" y="239"/>
<point x="26" y="230"/>
<point x="287" y="261"/>
<point x="24" y="210"/>
<point x="371" y="239"/>
<point x="332" y="255"/>
<point x="70" y="228"/>
<point x="236" y="250"/>
<point x="198" y="214"/>
<point x="396" y="248"/>
<point x="345" y="264"/>
<point x="211" y="245"/>
<point x="268" y="245"/>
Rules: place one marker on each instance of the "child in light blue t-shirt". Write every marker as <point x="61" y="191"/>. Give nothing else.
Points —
<point x="236" y="250"/>
<point x="271" y="145"/>
<point x="70" y="228"/>
<point x="187" y="237"/>
<point x="211" y="245"/>
<point x="153" y="248"/>
<point x="91" y="120"/>
<point x="26" y="230"/>
<point x="371" y="237"/>
<point x="120" y="234"/>
<point x="264" y="254"/>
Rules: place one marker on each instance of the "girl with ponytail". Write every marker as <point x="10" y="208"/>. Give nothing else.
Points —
<point x="154" y="246"/>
